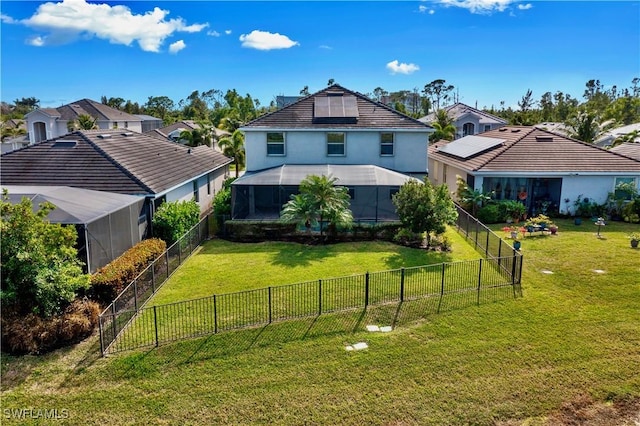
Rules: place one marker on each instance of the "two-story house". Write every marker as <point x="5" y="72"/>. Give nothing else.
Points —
<point x="50" y="123"/>
<point x="369" y="147"/>
<point x="468" y="120"/>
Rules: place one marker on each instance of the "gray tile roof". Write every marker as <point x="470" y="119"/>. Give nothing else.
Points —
<point x="459" y="109"/>
<point x="371" y="115"/>
<point x="629" y="149"/>
<point x="71" y="111"/>
<point x="529" y="149"/>
<point x="109" y="160"/>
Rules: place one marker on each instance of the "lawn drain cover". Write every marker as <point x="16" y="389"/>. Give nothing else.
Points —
<point x="357" y="346"/>
<point x="598" y="271"/>
<point x="545" y="271"/>
<point x="373" y="328"/>
<point x="386" y="329"/>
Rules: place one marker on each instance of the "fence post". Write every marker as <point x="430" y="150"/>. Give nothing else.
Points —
<point x="153" y="276"/>
<point x="135" y="294"/>
<point x="155" y="323"/>
<point x="499" y="252"/>
<point x="479" y="280"/>
<point x="215" y="315"/>
<point x="180" y="251"/>
<point x="402" y="285"/>
<point x="444" y="266"/>
<point x="319" y="297"/>
<point x="477" y="223"/>
<point x="167" y="258"/>
<point x="270" y="305"/>
<point x="101" y="335"/>
<point x="486" y="251"/>
<point x="366" y="289"/>
<point x="113" y="320"/>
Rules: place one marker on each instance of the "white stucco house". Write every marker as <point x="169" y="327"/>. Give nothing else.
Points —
<point x="468" y="120"/>
<point x="533" y="166"/>
<point x="371" y="148"/>
<point x="50" y="123"/>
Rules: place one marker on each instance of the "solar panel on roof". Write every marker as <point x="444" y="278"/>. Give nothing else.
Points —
<point x="335" y="107"/>
<point x="470" y="145"/>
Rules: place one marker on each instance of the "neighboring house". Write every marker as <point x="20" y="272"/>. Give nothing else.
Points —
<point x="537" y="167"/>
<point x="173" y="131"/>
<point x="108" y="224"/>
<point x="369" y="147"/>
<point x="554" y="127"/>
<point x="149" y="122"/>
<point x="629" y="149"/>
<point x="50" y="123"/>
<point x="611" y="135"/>
<point x="468" y="120"/>
<point x="120" y="162"/>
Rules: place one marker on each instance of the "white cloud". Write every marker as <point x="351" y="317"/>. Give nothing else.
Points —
<point x="213" y="33"/>
<point x="114" y="23"/>
<point x="263" y="40"/>
<point x="36" y="41"/>
<point x="6" y="19"/>
<point x="325" y="47"/>
<point x="479" y="6"/>
<point x="397" y="68"/>
<point x="177" y="46"/>
<point x="525" y="6"/>
<point x="424" y="9"/>
<point x="227" y="32"/>
<point x="431" y="12"/>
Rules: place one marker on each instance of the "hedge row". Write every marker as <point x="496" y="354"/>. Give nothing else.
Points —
<point x="33" y="334"/>
<point x="111" y="279"/>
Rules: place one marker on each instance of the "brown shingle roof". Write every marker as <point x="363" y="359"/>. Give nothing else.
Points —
<point x="528" y="149"/>
<point x="94" y="109"/>
<point x="121" y="162"/>
<point x="629" y="149"/>
<point x="371" y="115"/>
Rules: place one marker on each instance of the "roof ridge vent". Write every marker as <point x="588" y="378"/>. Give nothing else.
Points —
<point x="515" y="130"/>
<point x="104" y="136"/>
<point x="127" y="134"/>
<point x="502" y="129"/>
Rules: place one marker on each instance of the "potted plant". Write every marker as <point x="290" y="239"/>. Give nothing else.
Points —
<point x="634" y="238"/>
<point x="553" y="228"/>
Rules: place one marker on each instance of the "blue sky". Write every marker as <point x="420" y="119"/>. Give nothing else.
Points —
<point x="490" y="50"/>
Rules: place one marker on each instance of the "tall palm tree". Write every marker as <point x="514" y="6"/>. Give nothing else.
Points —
<point x="587" y="127"/>
<point x="233" y="146"/>
<point x="86" y="122"/>
<point x="330" y="202"/>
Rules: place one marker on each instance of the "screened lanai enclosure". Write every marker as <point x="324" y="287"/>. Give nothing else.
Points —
<point x="108" y="224"/>
<point x="539" y="195"/>
<point x="261" y="195"/>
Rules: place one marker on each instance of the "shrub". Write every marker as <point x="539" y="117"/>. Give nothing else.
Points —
<point x="174" y="219"/>
<point x="491" y="213"/>
<point x="250" y="230"/>
<point x="32" y="334"/>
<point x="511" y="209"/>
<point x="111" y="279"/>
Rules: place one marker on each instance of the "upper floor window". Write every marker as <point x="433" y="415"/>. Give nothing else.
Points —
<point x="336" y="144"/>
<point x="126" y="124"/>
<point x="275" y="143"/>
<point x="386" y="143"/>
<point x="468" y="129"/>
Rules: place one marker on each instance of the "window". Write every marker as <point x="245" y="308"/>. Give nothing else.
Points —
<point x="468" y="129"/>
<point x="208" y="184"/>
<point x="352" y="192"/>
<point x="620" y="192"/>
<point x="386" y="143"/>
<point x="487" y="127"/>
<point x="115" y="124"/>
<point x="275" y="143"/>
<point x="126" y="124"/>
<point x="335" y="144"/>
<point x="196" y="193"/>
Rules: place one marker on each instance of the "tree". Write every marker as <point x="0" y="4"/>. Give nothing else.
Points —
<point x="41" y="272"/>
<point x="331" y="82"/>
<point x="586" y="126"/>
<point x="174" y="219"/>
<point x="445" y="129"/>
<point x="159" y="106"/>
<point x="424" y="208"/>
<point x="86" y="122"/>
<point x="438" y="91"/>
<point x="233" y="146"/>
<point x="304" y="91"/>
<point x="379" y="93"/>
<point x="25" y="105"/>
<point x="319" y="200"/>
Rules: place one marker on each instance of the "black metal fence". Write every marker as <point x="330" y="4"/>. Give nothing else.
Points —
<point x="124" y="307"/>
<point x="489" y="244"/>
<point x="453" y="284"/>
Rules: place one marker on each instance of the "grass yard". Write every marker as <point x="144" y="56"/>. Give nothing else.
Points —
<point x="568" y="351"/>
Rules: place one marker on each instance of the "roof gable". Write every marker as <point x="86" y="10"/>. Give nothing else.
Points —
<point x="358" y="112"/>
<point x="460" y="110"/>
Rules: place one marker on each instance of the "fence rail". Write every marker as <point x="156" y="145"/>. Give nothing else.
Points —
<point x="126" y="324"/>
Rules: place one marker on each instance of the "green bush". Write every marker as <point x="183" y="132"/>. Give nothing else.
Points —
<point x="32" y="334"/>
<point x="491" y="213"/>
<point x="173" y="219"/>
<point x="111" y="279"/>
<point x="250" y="230"/>
<point x="511" y="209"/>
<point x="371" y="231"/>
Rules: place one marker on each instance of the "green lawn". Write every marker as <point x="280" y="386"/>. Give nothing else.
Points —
<point x="575" y="332"/>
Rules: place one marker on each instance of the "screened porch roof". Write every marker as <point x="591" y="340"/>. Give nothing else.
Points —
<point x="347" y="175"/>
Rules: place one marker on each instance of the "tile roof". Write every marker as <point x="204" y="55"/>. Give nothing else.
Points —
<point x="371" y="115"/>
<point x="459" y="109"/>
<point x="109" y="160"/>
<point x="629" y="149"/>
<point x="71" y="111"/>
<point x="529" y="149"/>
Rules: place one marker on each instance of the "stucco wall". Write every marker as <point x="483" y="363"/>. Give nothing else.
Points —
<point x="410" y="150"/>
<point x="185" y="192"/>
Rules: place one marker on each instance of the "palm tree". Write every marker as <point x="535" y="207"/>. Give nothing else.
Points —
<point x="233" y="146"/>
<point x="300" y="209"/>
<point x="587" y="127"/>
<point x="86" y="122"/>
<point x="445" y="129"/>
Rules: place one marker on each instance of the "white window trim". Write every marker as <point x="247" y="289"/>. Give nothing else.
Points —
<point x="284" y="145"/>
<point x="344" y="144"/>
